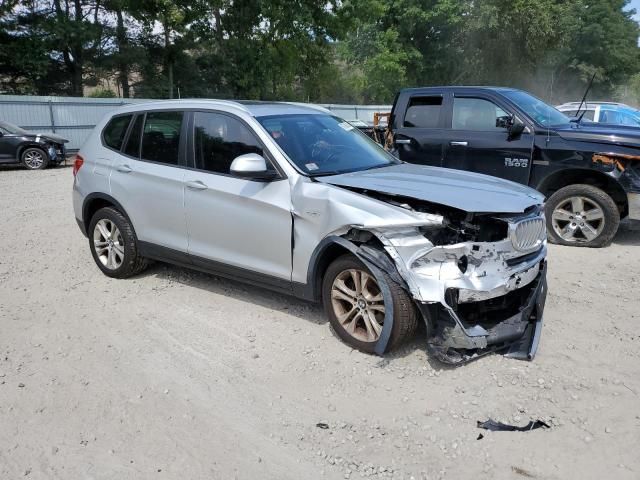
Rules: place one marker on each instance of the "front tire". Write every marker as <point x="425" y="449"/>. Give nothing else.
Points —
<point x="357" y="309"/>
<point x="582" y="216"/>
<point x="114" y="245"/>
<point x="34" y="158"/>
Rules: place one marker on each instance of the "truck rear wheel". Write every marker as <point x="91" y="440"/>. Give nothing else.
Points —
<point x="582" y="216"/>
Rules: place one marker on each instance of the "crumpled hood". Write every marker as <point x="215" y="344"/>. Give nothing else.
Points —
<point x="599" y="133"/>
<point x="471" y="192"/>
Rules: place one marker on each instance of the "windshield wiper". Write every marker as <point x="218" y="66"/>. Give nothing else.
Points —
<point x="340" y="172"/>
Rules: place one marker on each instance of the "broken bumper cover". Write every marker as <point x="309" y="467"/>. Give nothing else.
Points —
<point x="511" y="324"/>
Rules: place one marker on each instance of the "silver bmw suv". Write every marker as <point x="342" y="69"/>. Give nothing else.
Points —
<point x="291" y="198"/>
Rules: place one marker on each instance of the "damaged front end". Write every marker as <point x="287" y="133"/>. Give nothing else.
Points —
<point x="479" y="280"/>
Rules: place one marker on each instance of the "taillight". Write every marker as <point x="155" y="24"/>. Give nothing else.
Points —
<point x="77" y="163"/>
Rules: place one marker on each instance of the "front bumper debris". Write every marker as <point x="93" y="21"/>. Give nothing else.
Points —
<point x="510" y="324"/>
<point x="57" y="152"/>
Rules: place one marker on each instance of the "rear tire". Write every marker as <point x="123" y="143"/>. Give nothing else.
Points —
<point x="582" y="216"/>
<point x="34" y="158"/>
<point x="114" y="245"/>
<point x="342" y="296"/>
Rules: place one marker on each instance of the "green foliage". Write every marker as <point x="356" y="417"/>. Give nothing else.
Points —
<point x="102" y="93"/>
<point x="355" y="51"/>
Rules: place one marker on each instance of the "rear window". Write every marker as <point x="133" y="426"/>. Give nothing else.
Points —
<point x="113" y="134"/>
<point x="423" y="112"/>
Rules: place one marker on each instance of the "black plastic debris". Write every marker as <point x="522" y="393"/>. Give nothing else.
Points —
<point x="322" y="425"/>
<point x="494" y="426"/>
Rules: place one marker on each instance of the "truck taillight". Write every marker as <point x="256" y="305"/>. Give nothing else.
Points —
<point x="77" y="163"/>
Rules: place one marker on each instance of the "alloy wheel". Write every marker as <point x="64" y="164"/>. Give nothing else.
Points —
<point x="108" y="244"/>
<point x="578" y="219"/>
<point x="33" y="159"/>
<point x="358" y="304"/>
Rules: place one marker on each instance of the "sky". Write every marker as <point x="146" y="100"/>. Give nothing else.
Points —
<point x="635" y="4"/>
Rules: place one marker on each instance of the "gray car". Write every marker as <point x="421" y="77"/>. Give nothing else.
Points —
<point x="294" y="199"/>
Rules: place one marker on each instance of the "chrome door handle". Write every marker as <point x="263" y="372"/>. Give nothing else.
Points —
<point x="124" y="168"/>
<point x="403" y="141"/>
<point x="196" y="185"/>
<point x="459" y="144"/>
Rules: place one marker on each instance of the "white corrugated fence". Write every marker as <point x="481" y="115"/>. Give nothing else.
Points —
<point x="74" y="117"/>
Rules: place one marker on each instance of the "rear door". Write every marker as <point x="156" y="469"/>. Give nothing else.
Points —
<point x="476" y="143"/>
<point x="419" y="129"/>
<point x="147" y="178"/>
<point x="236" y="225"/>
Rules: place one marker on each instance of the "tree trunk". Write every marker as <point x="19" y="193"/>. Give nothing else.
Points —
<point x="77" y="51"/>
<point x="218" y="17"/>
<point x="123" y="46"/>
<point x="168" y="54"/>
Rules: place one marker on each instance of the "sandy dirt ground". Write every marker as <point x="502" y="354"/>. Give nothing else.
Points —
<point x="181" y="375"/>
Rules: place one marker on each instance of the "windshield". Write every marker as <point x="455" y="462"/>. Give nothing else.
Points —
<point x="324" y="145"/>
<point x="539" y="111"/>
<point x="11" y="128"/>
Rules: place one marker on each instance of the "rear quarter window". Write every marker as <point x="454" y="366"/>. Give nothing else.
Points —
<point x="113" y="134"/>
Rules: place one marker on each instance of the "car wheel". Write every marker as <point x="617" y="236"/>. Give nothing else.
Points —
<point x="34" y="159"/>
<point x="582" y="216"/>
<point x="356" y="307"/>
<point x="114" y="245"/>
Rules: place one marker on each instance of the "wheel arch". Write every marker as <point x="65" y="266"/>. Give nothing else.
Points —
<point x="324" y="254"/>
<point x="563" y="178"/>
<point x="29" y="144"/>
<point x="335" y="246"/>
<point x="94" y="202"/>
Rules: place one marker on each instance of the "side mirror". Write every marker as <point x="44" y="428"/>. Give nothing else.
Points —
<point x="252" y="167"/>
<point x="516" y="128"/>
<point x="504" y="122"/>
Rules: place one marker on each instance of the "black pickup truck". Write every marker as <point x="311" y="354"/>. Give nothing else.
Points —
<point x="590" y="173"/>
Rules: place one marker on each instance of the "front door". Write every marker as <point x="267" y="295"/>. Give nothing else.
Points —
<point x="477" y="143"/>
<point x="234" y="222"/>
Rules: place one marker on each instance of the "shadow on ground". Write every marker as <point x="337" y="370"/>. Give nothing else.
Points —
<point x="295" y="307"/>
<point x="628" y="234"/>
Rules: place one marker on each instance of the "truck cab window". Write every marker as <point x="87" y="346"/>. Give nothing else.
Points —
<point x="476" y="114"/>
<point x="423" y="112"/>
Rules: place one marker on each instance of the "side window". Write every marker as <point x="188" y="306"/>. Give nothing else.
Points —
<point x="161" y="137"/>
<point x="476" y="114"/>
<point x="132" y="147"/>
<point x="629" y="119"/>
<point x="588" y="114"/>
<point x="219" y="139"/>
<point x="113" y="134"/>
<point x="608" y="116"/>
<point x="423" y="112"/>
